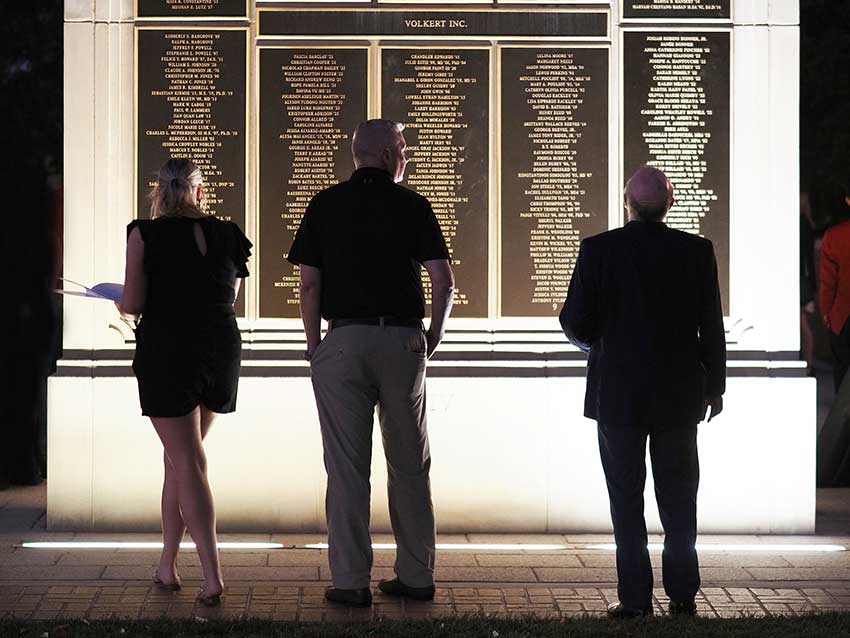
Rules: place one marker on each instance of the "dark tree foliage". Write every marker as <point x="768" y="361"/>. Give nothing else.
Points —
<point x="31" y="83"/>
<point x="30" y="134"/>
<point x="825" y="105"/>
<point x="31" y="142"/>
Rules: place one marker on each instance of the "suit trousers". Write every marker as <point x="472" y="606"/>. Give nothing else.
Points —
<point x="354" y="370"/>
<point x="675" y="470"/>
<point x="840" y="347"/>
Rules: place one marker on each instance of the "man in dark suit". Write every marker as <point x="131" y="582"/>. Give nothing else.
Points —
<point x="644" y="301"/>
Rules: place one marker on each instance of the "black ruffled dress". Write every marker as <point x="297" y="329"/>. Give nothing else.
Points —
<point x="188" y="347"/>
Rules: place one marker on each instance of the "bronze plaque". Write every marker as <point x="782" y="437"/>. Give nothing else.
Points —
<point x="437" y="21"/>
<point x="554" y="170"/>
<point x="192" y="9"/>
<point x="191" y="103"/>
<point x="676" y="117"/>
<point x="442" y="98"/>
<point x="690" y="9"/>
<point x="311" y="100"/>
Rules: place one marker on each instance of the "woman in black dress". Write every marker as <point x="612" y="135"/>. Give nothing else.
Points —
<point x="182" y="276"/>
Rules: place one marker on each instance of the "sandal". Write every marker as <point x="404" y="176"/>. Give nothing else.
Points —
<point x="213" y="600"/>
<point x="160" y="584"/>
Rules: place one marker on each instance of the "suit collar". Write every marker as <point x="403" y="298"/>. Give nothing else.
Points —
<point x="371" y="174"/>
<point x="637" y="224"/>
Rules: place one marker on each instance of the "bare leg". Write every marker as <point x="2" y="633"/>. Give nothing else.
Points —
<point x="173" y="526"/>
<point x="181" y="437"/>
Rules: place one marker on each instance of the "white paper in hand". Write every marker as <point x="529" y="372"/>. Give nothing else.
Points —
<point x="105" y="290"/>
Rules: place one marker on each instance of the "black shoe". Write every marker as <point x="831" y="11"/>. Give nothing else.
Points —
<point x="25" y="472"/>
<point x="349" y="597"/>
<point x="395" y="587"/>
<point x="687" y="608"/>
<point x="620" y="611"/>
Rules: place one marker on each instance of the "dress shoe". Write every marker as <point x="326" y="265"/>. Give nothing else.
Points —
<point x="395" y="587"/>
<point x="349" y="597"/>
<point x="619" y="611"/>
<point x="686" y="608"/>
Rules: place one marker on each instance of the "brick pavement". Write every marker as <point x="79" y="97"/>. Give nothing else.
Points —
<point x="288" y="583"/>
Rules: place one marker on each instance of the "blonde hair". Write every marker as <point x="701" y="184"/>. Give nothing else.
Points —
<point x="174" y="191"/>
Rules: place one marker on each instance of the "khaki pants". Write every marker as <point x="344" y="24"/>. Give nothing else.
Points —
<point x="355" y="369"/>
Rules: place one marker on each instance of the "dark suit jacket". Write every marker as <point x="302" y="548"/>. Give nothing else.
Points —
<point x="645" y="301"/>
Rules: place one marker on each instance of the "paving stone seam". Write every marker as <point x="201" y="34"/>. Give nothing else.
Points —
<point x="485" y="584"/>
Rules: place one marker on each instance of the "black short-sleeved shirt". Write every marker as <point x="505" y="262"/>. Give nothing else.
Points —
<point x="369" y="236"/>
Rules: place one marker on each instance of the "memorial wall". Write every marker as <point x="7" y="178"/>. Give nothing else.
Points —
<point x="676" y="116"/>
<point x="442" y="97"/>
<point x="311" y="99"/>
<point x="507" y="115"/>
<point x="554" y="170"/>
<point x="524" y="121"/>
<point x="191" y="102"/>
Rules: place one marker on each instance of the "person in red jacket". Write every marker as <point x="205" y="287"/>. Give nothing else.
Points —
<point x="834" y="293"/>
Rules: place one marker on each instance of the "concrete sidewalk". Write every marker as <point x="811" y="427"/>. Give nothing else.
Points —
<point x="288" y="583"/>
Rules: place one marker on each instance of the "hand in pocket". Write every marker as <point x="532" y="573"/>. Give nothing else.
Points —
<point x="416" y="343"/>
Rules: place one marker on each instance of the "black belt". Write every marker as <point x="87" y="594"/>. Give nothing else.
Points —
<point x="375" y="321"/>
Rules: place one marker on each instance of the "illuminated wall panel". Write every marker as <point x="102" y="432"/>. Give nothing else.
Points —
<point x="524" y="121"/>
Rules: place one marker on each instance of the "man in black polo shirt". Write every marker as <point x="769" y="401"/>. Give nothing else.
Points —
<point x="361" y="246"/>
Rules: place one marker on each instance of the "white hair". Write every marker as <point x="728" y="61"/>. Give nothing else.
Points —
<point x="372" y="137"/>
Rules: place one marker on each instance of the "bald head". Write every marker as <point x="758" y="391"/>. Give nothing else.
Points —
<point x="649" y="195"/>
<point x="380" y="144"/>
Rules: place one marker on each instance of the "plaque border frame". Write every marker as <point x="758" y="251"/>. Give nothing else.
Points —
<point x="193" y="19"/>
<point x="284" y="4"/>
<point x="261" y="38"/>
<point x="610" y="78"/>
<point x="688" y="28"/>
<point x="566" y="3"/>
<point x="685" y="22"/>
<point x="259" y="320"/>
